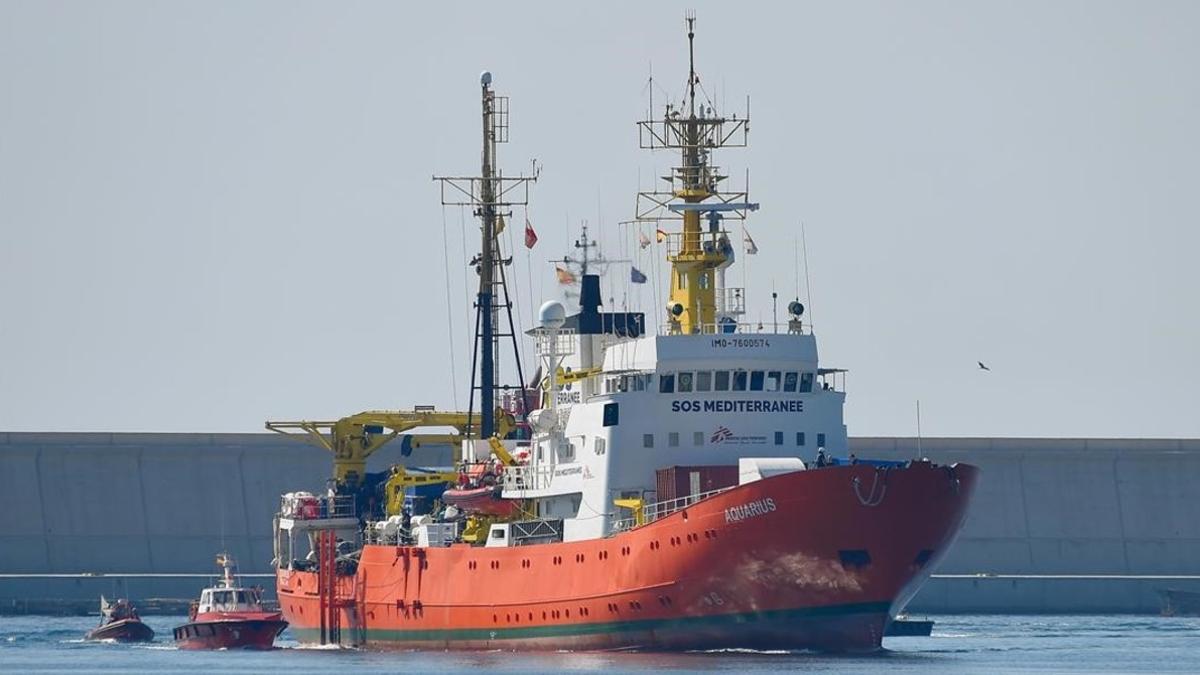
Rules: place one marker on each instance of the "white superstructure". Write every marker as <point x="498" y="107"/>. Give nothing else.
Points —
<point x="654" y="401"/>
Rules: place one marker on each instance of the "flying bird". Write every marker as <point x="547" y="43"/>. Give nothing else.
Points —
<point x="983" y="367"/>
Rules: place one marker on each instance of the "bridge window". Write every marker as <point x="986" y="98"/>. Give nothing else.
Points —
<point x="721" y="380"/>
<point x="673" y="439"/>
<point x="789" y="381"/>
<point x="666" y="383"/>
<point x="756" y="380"/>
<point x="647" y="440"/>
<point x="800" y="438"/>
<point x="773" y="380"/>
<point x="739" y="380"/>
<point x="778" y="438"/>
<point x="820" y="440"/>
<point x="685" y="382"/>
<point x="698" y="438"/>
<point x="806" y="380"/>
<point x="703" y="380"/>
<point x="611" y="414"/>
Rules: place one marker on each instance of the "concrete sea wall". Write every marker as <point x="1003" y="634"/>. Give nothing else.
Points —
<point x="1065" y="525"/>
<point x="1058" y="525"/>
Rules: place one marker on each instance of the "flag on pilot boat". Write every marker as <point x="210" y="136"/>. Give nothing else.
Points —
<point x="662" y="236"/>
<point x="530" y="235"/>
<point x="564" y="275"/>
<point x="643" y="240"/>
<point x="636" y="276"/>
<point x="499" y="224"/>
<point x="751" y="249"/>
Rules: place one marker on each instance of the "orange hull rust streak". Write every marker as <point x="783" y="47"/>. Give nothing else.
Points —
<point x="810" y="559"/>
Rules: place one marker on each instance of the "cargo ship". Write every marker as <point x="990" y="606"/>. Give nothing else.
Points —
<point x="683" y="488"/>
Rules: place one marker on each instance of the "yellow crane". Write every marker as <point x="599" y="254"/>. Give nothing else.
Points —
<point x="403" y="478"/>
<point x="354" y="438"/>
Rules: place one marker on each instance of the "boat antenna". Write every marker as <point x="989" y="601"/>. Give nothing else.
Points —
<point x="919" y="454"/>
<point x="807" y="281"/>
<point x="691" y="23"/>
<point x="774" y="308"/>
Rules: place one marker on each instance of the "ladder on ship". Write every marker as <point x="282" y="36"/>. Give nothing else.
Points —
<point x="331" y="604"/>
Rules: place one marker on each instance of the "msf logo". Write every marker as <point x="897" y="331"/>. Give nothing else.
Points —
<point x="721" y="434"/>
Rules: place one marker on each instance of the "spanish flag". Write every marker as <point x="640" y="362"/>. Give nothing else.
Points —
<point x="564" y="275"/>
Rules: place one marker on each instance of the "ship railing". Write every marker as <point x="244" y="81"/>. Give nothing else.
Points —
<point x="731" y="301"/>
<point x="658" y="510"/>
<point x="695" y="243"/>
<point x="527" y="477"/>
<point x="316" y="507"/>
<point x="783" y="327"/>
<point x="559" y="342"/>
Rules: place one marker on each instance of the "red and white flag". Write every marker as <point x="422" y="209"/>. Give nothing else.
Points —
<point x="530" y="235"/>
<point x="564" y="275"/>
<point x="643" y="240"/>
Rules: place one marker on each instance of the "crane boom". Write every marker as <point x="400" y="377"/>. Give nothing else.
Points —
<point x="354" y="438"/>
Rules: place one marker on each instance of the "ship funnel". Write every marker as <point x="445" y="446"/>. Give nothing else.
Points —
<point x="589" y="294"/>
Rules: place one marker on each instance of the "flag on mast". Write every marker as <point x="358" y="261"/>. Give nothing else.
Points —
<point x="636" y="276"/>
<point x="530" y="235"/>
<point x="643" y="240"/>
<point x="661" y="235"/>
<point x="751" y="248"/>
<point x="564" y="275"/>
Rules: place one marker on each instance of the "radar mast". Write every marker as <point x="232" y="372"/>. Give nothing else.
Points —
<point x="698" y="303"/>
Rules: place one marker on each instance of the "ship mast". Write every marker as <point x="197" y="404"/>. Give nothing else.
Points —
<point x="586" y="260"/>
<point x="491" y="195"/>
<point x="697" y="304"/>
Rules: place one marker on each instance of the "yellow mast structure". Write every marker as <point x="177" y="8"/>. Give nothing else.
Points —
<point x="695" y="129"/>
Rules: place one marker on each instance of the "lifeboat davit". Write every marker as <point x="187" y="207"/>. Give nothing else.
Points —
<point x="486" y="500"/>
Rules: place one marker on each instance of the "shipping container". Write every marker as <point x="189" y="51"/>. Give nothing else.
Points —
<point x="680" y="481"/>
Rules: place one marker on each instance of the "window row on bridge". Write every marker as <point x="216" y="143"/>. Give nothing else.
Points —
<point x="688" y="381"/>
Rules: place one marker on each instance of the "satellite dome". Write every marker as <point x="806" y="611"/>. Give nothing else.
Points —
<point x="552" y="314"/>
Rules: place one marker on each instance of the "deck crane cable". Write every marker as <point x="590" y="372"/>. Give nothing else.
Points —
<point x="449" y="311"/>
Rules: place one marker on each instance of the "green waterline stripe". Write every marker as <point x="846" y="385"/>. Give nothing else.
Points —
<point x="579" y="629"/>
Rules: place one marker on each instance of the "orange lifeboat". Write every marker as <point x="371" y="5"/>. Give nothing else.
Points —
<point x="485" y="500"/>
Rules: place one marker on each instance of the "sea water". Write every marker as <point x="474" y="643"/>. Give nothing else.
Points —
<point x="959" y="644"/>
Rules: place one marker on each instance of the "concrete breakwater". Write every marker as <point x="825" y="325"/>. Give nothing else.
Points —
<point x="1059" y="525"/>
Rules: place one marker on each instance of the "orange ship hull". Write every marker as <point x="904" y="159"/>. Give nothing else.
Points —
<point x="817" y="559"/>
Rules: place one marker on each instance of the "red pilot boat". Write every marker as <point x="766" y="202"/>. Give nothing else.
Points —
<point x="119" y="621"/>
<point x="229" y="616"/>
